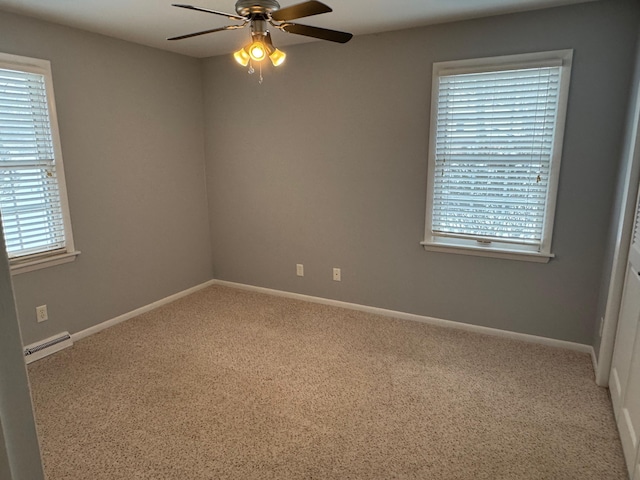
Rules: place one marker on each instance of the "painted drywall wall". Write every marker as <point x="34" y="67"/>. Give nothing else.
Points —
<point x="131" y="128"/>
<point x="325" y="164"/>
<point x="19" y="449"/>
<point x="621" y="226"/>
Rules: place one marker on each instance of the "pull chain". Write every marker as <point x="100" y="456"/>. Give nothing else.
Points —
<point x="252" y="70"/>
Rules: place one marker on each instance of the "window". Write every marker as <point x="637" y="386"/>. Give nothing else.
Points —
<point x="494" y="154"/>
<point x="35" y="214"/>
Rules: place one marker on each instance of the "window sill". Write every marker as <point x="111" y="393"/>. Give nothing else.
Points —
<point x="536" y="257"/>
<point x="30" y="265"/>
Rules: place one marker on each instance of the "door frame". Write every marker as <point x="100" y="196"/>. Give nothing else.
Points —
<point x="19" y="439"/>
<point x="624" y="232"/>
<point x="5" y="471"/>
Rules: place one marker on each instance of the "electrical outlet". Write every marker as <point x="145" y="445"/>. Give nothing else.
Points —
<point x="337" y="276"/>
<point x="300" y="270"/>
<point x="601" y="325"/>
<point x="41" y="313"/>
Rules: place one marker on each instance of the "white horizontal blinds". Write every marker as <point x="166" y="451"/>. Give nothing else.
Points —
<point x="29" y="197"/>
<point x="494" y="144"/>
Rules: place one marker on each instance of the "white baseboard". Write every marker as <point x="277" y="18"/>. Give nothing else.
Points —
<point x="336" y="303"/>
<point x="138" y="311"/>
<point x="524" y="337"/>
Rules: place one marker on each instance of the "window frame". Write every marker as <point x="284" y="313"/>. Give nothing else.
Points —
<point x="439" y="243"/>
<point x="68" y="253"/>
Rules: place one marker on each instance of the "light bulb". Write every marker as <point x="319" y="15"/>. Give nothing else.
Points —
<point x="277" y="57"/>
<point x="257" y="51"/>
<point x="242" y="57"/>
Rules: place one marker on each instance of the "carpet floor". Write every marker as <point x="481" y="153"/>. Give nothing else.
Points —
<point x="230" y="384"/>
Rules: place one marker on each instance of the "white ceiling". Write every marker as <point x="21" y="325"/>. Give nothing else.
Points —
<point x="150" y="22"/>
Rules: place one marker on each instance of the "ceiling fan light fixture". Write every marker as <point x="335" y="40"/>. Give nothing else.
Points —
<point x="277" y="57"/>
<point x="242" y="57"/>
<point x="259" y="15"/>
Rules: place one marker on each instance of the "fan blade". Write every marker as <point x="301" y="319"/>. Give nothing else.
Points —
<point x="200" y="9"/>
<point x="316" y="32"/>
<point x="189" y="35"/>
<point x="300" y="10"/>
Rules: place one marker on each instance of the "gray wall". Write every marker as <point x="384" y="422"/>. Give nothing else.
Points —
<point x="325" y="164"/>
<point x="131" y="127"/>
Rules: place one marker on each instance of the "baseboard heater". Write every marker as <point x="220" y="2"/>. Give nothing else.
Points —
<point x="46" y="347"/>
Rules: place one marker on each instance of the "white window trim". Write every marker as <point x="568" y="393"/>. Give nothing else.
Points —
<point x="69" y="253"/>
<point x="507" y="62"/>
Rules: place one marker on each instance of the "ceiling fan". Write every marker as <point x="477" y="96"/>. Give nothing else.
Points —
<point x="258" y="14"/>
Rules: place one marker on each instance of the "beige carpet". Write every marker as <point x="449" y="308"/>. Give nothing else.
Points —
<point x="227" y="384"/>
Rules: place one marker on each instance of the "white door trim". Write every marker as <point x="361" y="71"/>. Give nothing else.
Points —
<point x="622" y="243"/>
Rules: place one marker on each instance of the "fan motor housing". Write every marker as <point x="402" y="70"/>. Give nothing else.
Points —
<point x="247" y="8"/>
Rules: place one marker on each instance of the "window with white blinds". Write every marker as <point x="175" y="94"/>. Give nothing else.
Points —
<point x="35" y="215"/>
<point x="495" y="144"/>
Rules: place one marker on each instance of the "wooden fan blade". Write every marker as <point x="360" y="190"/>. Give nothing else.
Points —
<point x="300" y="10"/>
<point x="316" y="32"/>
<point x="200" y="9"/>
<point x="189" y="35"/>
